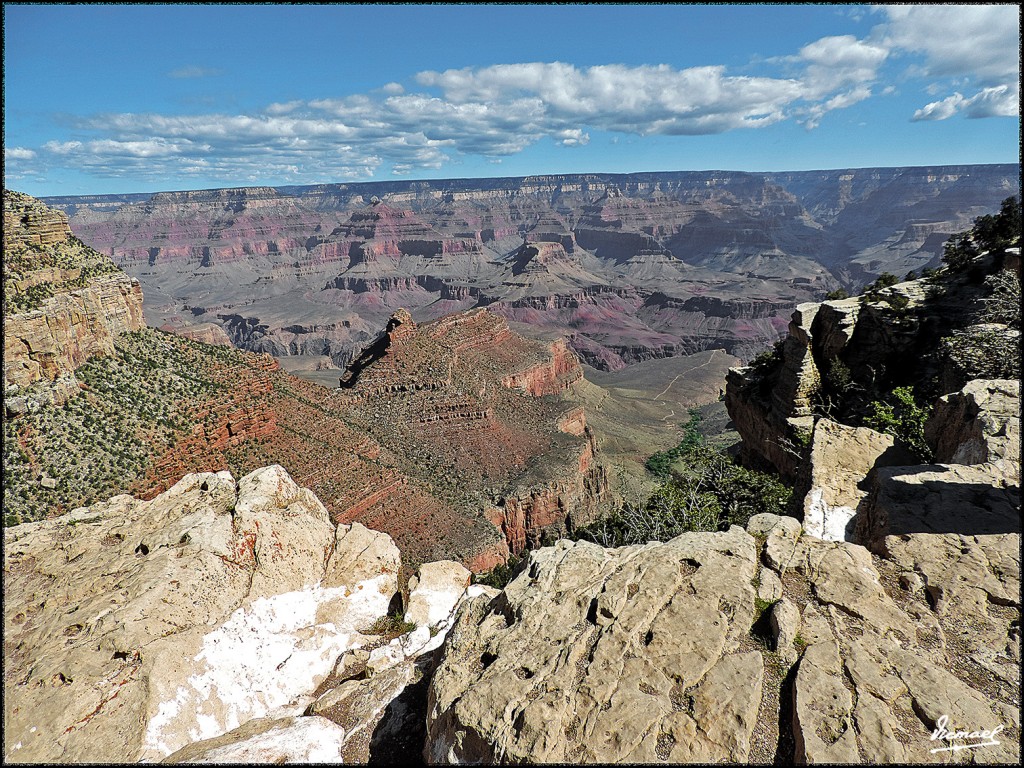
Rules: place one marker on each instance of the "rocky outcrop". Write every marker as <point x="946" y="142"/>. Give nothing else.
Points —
<point x="219" y="622"/>
<point x="660" y="653"/>
<point x="485" y="409"/>
<point x="207" y="333"/>
<point x="180" y="618"/>
<point x="30" y="223"/>
<point x="63" y="303"/>
<point x="550" y="377"/>
<point x="771" y="405"/>
<point x="841" y="355"/>
<point x="978" y="424"/>
<point x="840" y="468"/>
<point x="50" y="343"/>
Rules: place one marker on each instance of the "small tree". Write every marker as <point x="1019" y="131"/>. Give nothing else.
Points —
<point x="959" y="251"/>
<point x="901" y="416"/>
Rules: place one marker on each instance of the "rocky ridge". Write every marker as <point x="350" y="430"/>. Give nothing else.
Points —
<point x="63" y="304"/>
<point x="479" y="402"/>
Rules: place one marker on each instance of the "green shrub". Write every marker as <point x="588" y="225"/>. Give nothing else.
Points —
<point x="709" y="492"/>
<point x="959" y="251"/>
<point x="838" y="293"/>
<point x="989" y="233"/>
<point x="901" y="416"/>
<point x="767" y="360"/>
<point x="838" y="378"/>
<point x="660" y="463"/>
<point x="499" y="576"/>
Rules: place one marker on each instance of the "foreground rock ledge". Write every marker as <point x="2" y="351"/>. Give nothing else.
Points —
<point x="659" y="653"/>
<point x="132" y="628"/>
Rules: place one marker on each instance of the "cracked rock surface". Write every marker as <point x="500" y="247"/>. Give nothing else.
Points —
<point x="660" y="653"/>
<point x="134" y="628"/>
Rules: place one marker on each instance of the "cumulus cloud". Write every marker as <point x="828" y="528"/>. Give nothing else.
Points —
<point x="1001" y="101"/>
<point x="940" y="110"/>
<point x="974" y="46"/>
<point x="18" y="153"/>
<point x="839" y="62"/>
<point x="839" y="101"/>
<point x="500" y="110"/>
<point x="492" y="112"/>
<point x="980" y="40"/>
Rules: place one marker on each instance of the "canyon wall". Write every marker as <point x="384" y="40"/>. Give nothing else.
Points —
<point x="319" y="269"/>
<point x="63" y="302"/>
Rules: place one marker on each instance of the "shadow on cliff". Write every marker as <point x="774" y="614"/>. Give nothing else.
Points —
<point x="938" y="506"/>
<point x="401" y="733"/>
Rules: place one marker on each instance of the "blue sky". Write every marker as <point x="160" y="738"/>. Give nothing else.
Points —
<point x="117" y="99"/>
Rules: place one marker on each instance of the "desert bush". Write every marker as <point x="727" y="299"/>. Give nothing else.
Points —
<point x="984" y="352"/>
<point x="1002" y="305"/>
<point x="660" y="463"/>
<point x="499" y="576"/>
<point x="989" y="233"/>
<point x="390" y="626"/>
<point x="708" y="492"/>
<point x="901" y="416"/>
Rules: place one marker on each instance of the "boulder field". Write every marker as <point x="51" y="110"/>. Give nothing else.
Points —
<point x="230" y="621"/>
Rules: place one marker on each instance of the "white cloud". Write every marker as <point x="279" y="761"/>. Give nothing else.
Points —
<point x="964" y="47"/>
<point x="1001" y="101"/>
<point x="839" y="101"/>
<point x="982" y="41"/>
<point x="838" y="62"/>
<point x="573" y="137"/>
<point x="62" y="147"/>
<point x="500" y="110"/>
<point x="18" y="153"/>
<point x="940" y="110"/>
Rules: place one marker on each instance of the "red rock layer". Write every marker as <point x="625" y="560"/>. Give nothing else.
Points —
<point x="441" y="393"/>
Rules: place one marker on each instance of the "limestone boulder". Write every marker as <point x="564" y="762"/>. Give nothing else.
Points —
<point x="269" y="741"/>
<point x="379" y="697"/>
<point x="656" y="653"/>
<point x="839" y="469"/>
<point x="972" y="500"/>
<point x="978" y="424"/>
<point x="434" y="591"/>
<point x="596" y="655"/>
<point x="134" y="628"/>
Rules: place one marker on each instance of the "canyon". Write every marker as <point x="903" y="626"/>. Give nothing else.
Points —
<point x="221" y="562"/>
<point x="627" y="267"/>
<point x="459" y="437"/>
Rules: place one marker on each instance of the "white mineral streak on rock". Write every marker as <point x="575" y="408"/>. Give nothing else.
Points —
<point x="266" y="656"/>
<point x="825" y="521"/>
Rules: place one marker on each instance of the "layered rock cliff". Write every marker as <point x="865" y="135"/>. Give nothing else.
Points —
<point x="63" y="303"/>
<point x="553" y="251"/>
<point x="481" y="413"/>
